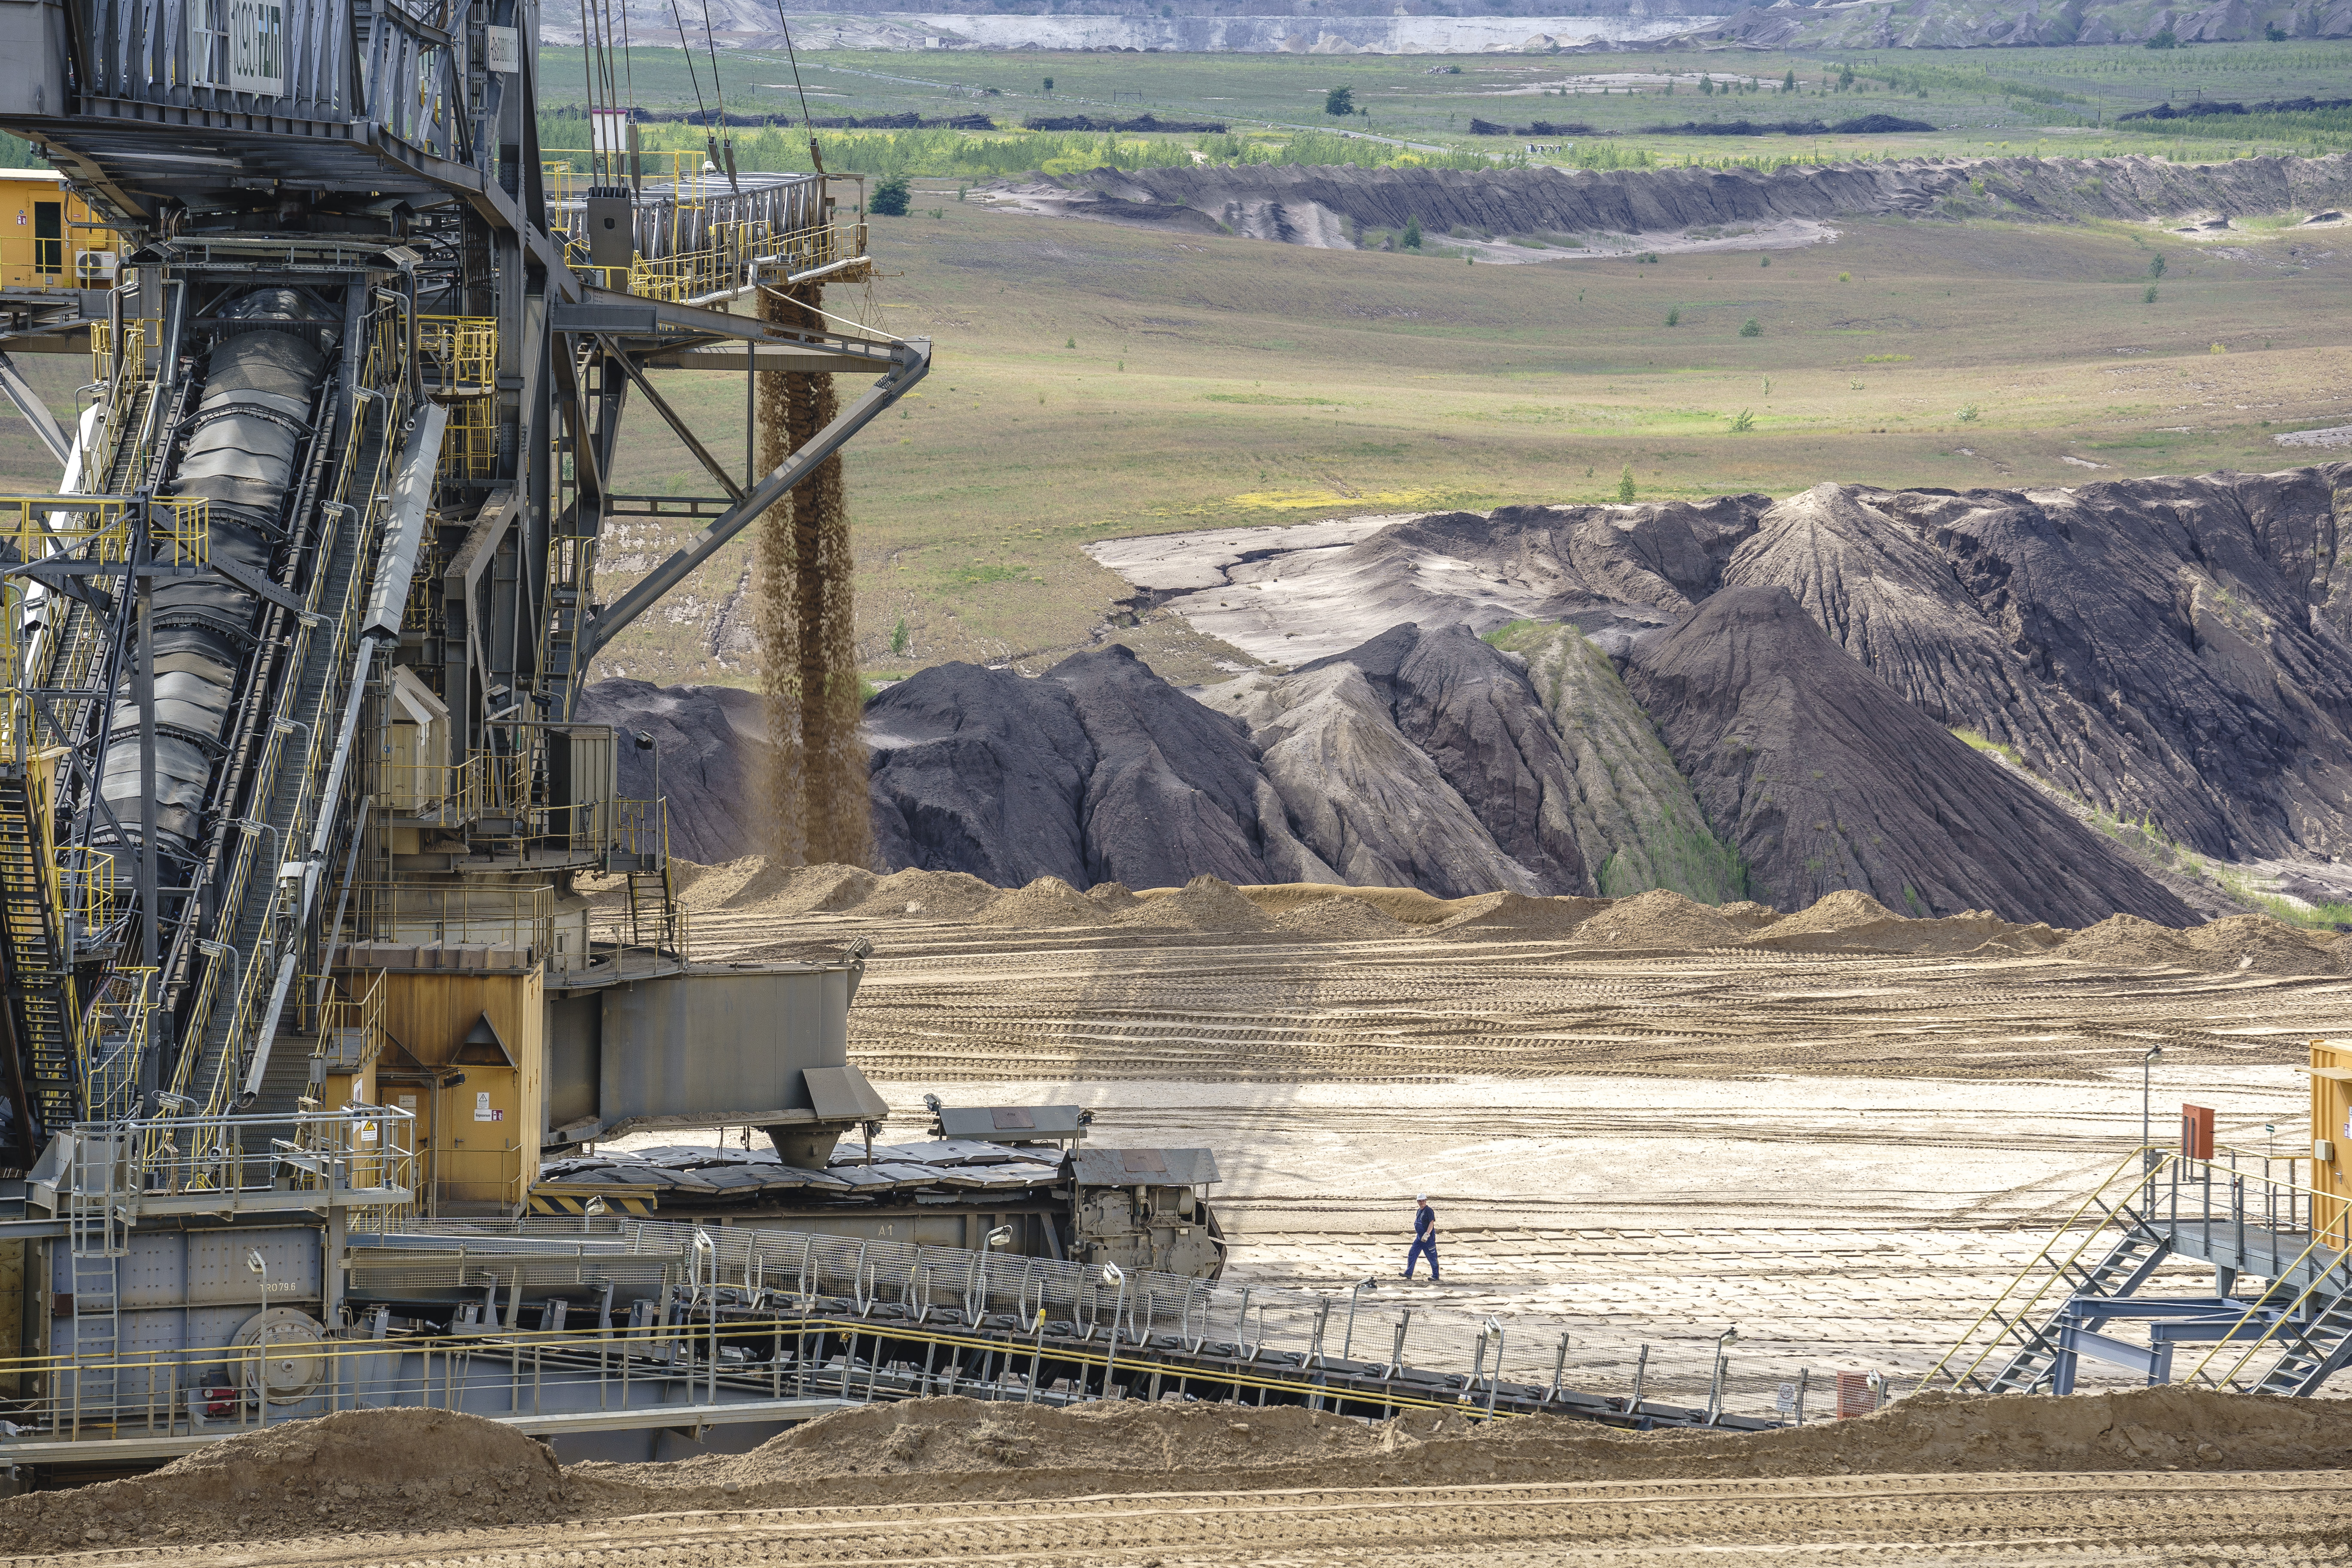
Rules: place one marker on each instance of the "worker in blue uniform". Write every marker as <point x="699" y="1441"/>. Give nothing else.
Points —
<point x="1424" y="1239"/>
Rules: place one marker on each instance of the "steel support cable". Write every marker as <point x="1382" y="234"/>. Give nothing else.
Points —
<point x="693" y="78"/>
<point x="719" y="92"/>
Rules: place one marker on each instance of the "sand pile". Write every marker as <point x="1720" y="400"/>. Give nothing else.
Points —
<point x="1341" y="919"/>
<point x="2262" y="945"/>
<point x="804" y="890"/>
<point x="1850" y="921"/>
<point x="1113" y="896"/>
<point x="965" y="1449"/>
<point x="1516" y="914"/>
<point x="360" y="1469"/>
<point x="1748" y="915"/>
<point x="1409" y="905"/>
<point x="1205" y="903"/>
<point x="929" y="895"/>
<point x="1658" y="920"/>
<point x="2127" y="941"/>
<point x="1046" y="904"/>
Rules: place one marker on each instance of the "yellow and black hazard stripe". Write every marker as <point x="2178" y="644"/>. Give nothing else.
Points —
<point x="565" y="1200"/>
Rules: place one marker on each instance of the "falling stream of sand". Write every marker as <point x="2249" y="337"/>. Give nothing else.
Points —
<point x="816" y="792"/>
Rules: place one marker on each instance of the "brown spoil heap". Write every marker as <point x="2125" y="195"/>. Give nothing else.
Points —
<point x="356" y="1470"/>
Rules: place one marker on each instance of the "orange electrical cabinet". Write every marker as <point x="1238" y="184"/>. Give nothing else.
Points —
<point x="2197" y="1131"/>
<point x="46" y="240"/>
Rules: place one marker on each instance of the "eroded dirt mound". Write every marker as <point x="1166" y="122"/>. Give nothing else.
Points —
<point x="359" y="1470"/>
<point x="1516" y="914"/>
<point x="1411" y="905"/>
<point x="964" y="1449"/>
<point x="808" y="890"/>
<point x="1658" y="920"/>
<point x="1748" y="915"/>
<point x="930" y="895"/>
<point x="2255" y="944"/>
<point x="1850" y="921"/>
<point x="1205" y="903"/>
<point x="1046" y="904"/>
<point x="1340" y="919"/>
<point x="2265" y="946"/>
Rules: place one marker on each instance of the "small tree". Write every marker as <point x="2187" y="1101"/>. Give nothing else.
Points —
<point x="2148" y="296"/>
<point x="1752" y="328"/>
<point x="1625" y="486"/>
<point x="1411" y="240"/>
<point x="1339" y="102"/>
<point x="1673" y="315"/>
<point x="890" y="198"/>
<point x="899" y="638"/>
<point x="2163" y="40"/>
<point x="1049" y="84"/>
<point x="1788" y="82"/>
<point x="2156" y="267"/>
<point x="1706" y="86"/>
<point x="1845" y="77"/>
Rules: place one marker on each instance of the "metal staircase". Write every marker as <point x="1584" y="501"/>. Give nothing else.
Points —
<point x="97" y="1239"/>
<point x="40" y="987"/>
<point x="2319" y="1348"/>
<point x="2126" y="1267"/>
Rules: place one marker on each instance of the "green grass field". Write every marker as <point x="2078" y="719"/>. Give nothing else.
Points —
<point x="2056" y="99"/>
<point x="1094" y="381"/>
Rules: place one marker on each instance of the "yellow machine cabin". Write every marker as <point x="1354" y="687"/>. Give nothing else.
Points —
<point x="49" y="239"/>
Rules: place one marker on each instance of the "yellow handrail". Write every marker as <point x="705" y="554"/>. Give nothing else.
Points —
<point x="2147" y="1177"/>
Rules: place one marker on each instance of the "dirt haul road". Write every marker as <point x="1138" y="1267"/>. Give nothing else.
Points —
<point x="2052" y="1519"/>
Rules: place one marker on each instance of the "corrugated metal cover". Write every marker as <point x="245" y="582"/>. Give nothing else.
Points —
<point x="842" y="1094"/>
<point x="1024" y="1121"/>
<point x="1144" y="1167"/>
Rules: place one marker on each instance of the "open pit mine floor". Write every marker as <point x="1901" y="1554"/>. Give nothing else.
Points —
<point x="1848" y="1154"/>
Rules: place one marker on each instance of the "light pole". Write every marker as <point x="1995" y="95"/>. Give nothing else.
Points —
<point x="2146" y="1067"/>
<point x="1724" y="1341"/>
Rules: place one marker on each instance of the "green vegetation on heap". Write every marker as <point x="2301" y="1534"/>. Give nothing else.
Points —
<point x="1646" y="830"/>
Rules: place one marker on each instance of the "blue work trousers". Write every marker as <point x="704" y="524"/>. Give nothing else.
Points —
<point x="1423" y="1245"/>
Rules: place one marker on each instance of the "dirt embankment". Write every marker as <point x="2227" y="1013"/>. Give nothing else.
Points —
<point x="828" y="902"/>
<point x="1328" y="207"/>
<point x="407" y="1469"/>
<point x="358" y="1471"/>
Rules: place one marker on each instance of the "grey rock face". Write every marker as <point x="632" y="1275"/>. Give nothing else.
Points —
<point x="1946" y="24"/>
<point x="1472" y="712"/>
<point x="979" y="771"/>
<point x="1172" y="793"/>
<point x="2176" y="651"/>
<point x="1366" y="806"/>
<point x="1301" y="205"/>
<point x="712" y="745"/>
<point x="1824" y="778"/>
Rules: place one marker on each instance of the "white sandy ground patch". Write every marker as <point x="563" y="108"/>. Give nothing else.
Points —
<point x="1842" y="1223"/>
<point x="1291" y="595"/>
